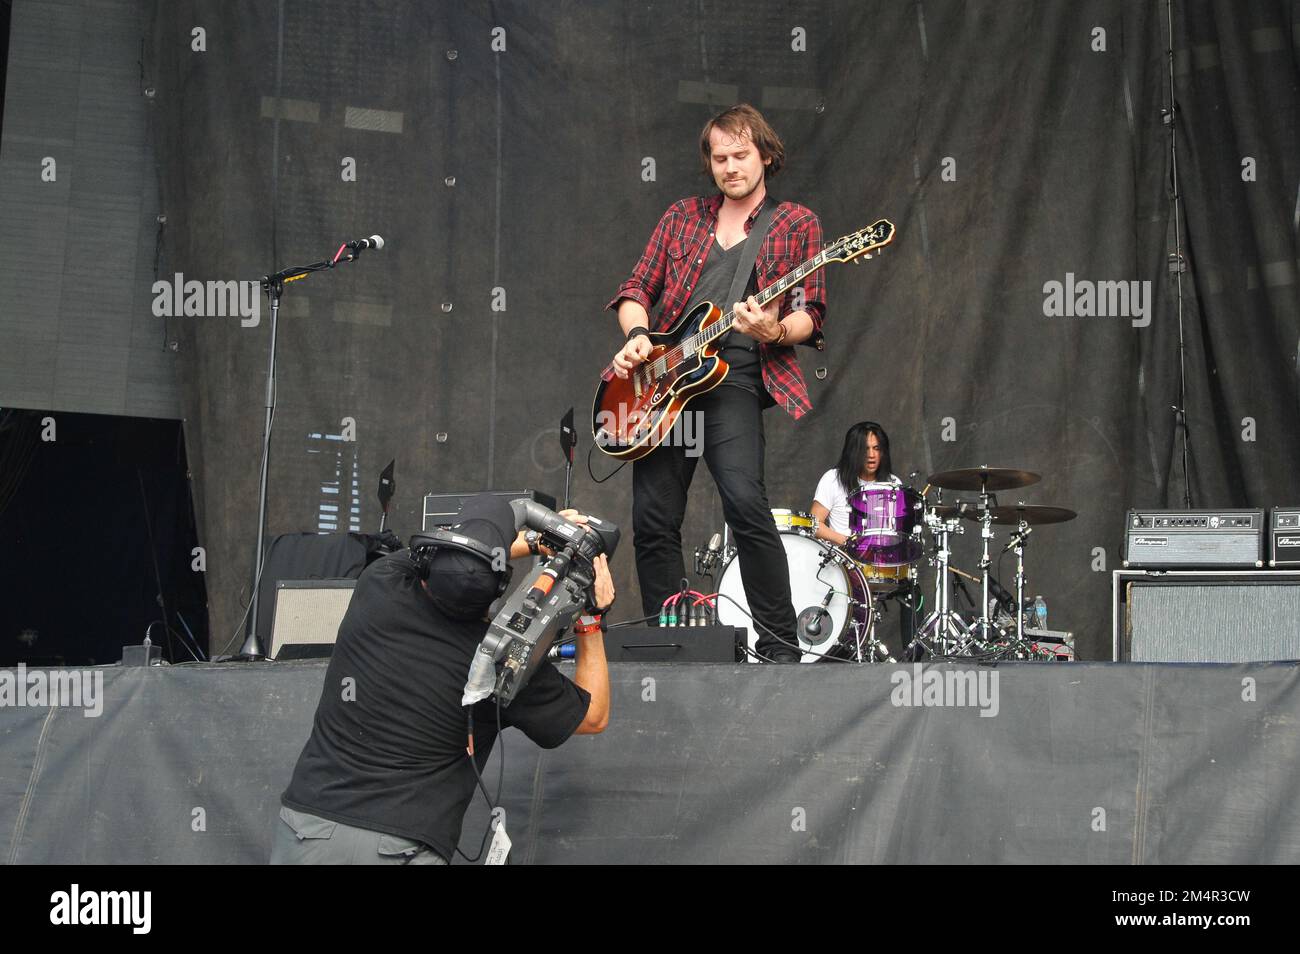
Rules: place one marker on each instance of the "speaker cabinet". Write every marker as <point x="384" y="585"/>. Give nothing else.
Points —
<point x="307" y="617"/>
<point x="1206" y="616"/>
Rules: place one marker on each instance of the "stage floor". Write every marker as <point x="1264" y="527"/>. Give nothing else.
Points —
<point x="1066" y="763"/>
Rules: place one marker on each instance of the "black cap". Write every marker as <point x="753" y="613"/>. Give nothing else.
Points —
<point x="463" y="585"/>
<point x="489" y="519"/>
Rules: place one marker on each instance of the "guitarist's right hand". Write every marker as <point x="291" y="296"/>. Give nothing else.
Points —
<point x="634" y="353"/>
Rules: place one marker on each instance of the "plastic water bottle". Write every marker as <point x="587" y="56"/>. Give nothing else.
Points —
<point x="1040" y="612"/>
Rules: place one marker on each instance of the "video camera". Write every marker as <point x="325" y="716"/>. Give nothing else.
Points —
<point x="541" y="607"/>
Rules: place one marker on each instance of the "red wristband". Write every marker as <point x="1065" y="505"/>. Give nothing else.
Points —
<point x="586" y="625"/>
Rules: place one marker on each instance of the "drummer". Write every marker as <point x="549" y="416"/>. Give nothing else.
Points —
<point x="863" y="460"/>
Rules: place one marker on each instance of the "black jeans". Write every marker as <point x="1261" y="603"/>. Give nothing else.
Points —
<point x="728" y="428"/>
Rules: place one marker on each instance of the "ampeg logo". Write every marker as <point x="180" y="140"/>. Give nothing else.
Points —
<point x="1288" y="541"/>
<point x="77" y="907"/>
<point x="1150" y="541"/>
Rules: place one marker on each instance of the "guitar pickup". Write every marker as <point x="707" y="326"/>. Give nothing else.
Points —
<point x="636" y="383"/>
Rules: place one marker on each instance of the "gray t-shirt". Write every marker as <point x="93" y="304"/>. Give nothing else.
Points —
<point x="738" y="350"/>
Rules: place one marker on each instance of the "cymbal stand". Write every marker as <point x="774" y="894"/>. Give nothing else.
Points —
<point x="987" y="502"/>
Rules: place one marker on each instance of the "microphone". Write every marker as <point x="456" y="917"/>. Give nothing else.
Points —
<point x="1018" y="538"/>
<point x="706" y="561"/>
<point x="375" y="241"/>
<point x="715" y="548"/>
<point x="813" y="618"/>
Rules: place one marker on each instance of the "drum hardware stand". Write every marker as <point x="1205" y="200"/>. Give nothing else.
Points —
<point x="875" y="650"/>
<point x="943" y="627"/>
<point x="879" y="651"/>
<point x="1023" y="529"/>
<point x="991" y="633"/>
<point x="987" y="502"/>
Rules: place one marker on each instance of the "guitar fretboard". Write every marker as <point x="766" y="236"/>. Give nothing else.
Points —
<point x="720" y="327"/>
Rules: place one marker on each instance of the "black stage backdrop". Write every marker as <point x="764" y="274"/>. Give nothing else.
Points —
<point x="516" y="155"/>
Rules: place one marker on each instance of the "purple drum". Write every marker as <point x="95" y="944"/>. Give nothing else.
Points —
<point x="883" y="517"/>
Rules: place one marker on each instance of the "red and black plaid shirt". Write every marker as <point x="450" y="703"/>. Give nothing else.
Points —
<point x="674" y="257"/>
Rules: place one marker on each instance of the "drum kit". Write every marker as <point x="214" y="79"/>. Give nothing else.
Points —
<point x="838" y="591"/>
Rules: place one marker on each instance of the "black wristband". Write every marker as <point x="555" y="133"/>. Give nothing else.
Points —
<point x="638" y="330"/>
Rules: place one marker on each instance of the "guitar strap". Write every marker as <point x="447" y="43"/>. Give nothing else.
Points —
<point x="745" y="267"/>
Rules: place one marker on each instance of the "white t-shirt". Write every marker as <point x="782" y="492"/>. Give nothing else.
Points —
<point x="832" y="496"/>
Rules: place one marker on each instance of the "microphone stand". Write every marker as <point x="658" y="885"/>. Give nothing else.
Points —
<point x="273" y="286"/>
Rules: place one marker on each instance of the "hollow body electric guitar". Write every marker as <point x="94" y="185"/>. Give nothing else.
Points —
<point x="632" y="416"/>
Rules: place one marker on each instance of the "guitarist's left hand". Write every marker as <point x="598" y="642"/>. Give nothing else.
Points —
<point x="761" y="324"/>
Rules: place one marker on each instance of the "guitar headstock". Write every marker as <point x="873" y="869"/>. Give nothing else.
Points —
<point x="862" y="243"/>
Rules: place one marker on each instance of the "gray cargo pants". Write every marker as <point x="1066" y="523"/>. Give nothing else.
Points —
<point x="305" y="839"/>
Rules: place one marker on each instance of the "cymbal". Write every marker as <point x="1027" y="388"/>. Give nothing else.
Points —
<point x="969" y="509"/>
<point x="1032" y="514"/>
<point x="983" y="478"/>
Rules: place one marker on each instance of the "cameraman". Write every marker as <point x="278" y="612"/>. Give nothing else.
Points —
<point x="385" y="776"/>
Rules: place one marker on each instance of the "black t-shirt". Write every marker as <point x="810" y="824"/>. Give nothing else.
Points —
<point x="387" y="747"/>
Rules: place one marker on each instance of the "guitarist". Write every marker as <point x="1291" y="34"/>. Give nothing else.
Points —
<point x="692" y="257"/>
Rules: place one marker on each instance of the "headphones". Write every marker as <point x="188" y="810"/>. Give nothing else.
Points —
<point x="424" y="545"/>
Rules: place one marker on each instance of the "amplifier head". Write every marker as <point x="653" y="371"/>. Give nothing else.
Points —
<point x="1284" y="537"/>
<point x="1218" y="538"/>
<point x="441" y="510"/>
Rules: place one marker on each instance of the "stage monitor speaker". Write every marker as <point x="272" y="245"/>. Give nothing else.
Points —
<point x="1211" y="620"/>
<point x="307" y="617"/>
<point x="711" y="644"/>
